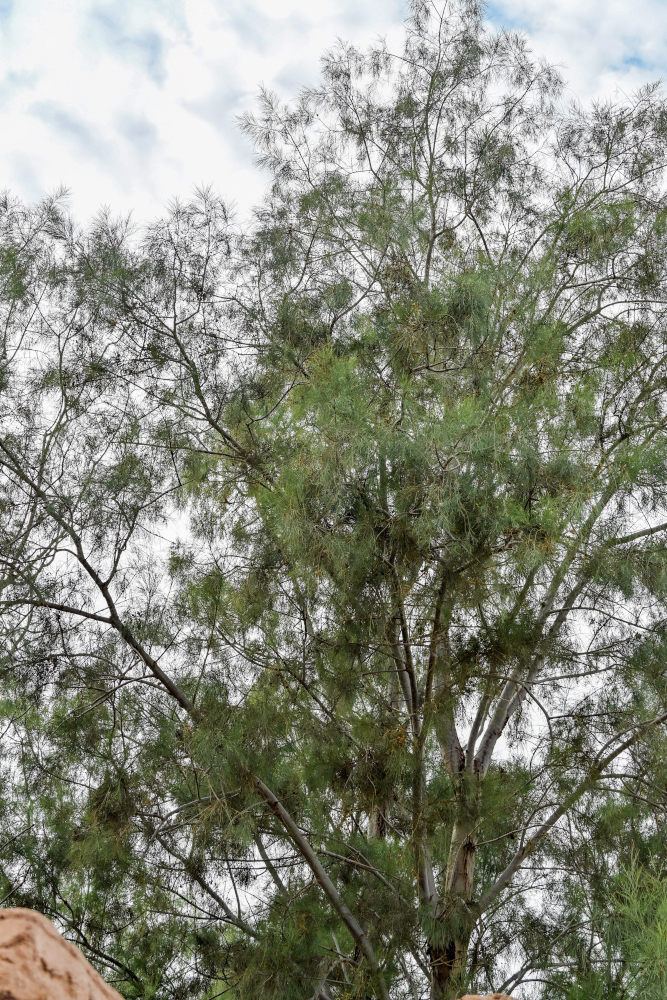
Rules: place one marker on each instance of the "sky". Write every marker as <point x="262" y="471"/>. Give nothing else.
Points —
<point x="134" y="102"/>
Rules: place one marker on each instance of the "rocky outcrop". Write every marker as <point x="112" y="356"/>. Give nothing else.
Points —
<point x="37" y="963"/>
<point x="488" y="996"/>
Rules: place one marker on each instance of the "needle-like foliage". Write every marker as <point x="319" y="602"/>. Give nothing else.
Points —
<point x="332" y="567"/>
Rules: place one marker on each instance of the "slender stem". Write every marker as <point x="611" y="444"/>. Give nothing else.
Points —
<point x="323" y="880"/>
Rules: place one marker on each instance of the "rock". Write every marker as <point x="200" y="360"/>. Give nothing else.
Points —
<point x="475" y="996"/>
<point x="37" y="963"/>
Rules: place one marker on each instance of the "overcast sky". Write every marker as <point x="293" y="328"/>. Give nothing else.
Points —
<point x="132" y="102"/>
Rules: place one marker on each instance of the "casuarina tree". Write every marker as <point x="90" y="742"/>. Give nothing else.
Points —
<point x="332" y="567"/>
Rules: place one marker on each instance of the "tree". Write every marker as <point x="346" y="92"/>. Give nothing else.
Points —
<point x="332" y="556"/>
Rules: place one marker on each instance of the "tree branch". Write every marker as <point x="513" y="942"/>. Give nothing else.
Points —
<point x="323" y="880"/>
<point x="593" y="776"/>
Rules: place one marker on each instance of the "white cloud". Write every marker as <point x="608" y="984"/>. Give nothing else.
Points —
<point x="604" y="48"/>
<point x="130" y="103"/>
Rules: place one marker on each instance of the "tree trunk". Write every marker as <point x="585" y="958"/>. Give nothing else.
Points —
<point x="448" y="946"/>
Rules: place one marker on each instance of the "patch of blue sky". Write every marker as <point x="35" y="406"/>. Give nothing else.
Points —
<point x="145" y="48"/>
<point x="499" y="17"/>
<point x="635" y="62"/>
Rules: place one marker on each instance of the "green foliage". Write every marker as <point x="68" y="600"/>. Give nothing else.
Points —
<point x="641" y="913"/>
<point x="332" y="570"/>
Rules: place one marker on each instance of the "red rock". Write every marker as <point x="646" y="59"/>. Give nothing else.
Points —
<point x="476" y="996"/>
<point x="37" y="963"/>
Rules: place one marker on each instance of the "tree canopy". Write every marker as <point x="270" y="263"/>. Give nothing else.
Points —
<point x="332" y="566"/>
